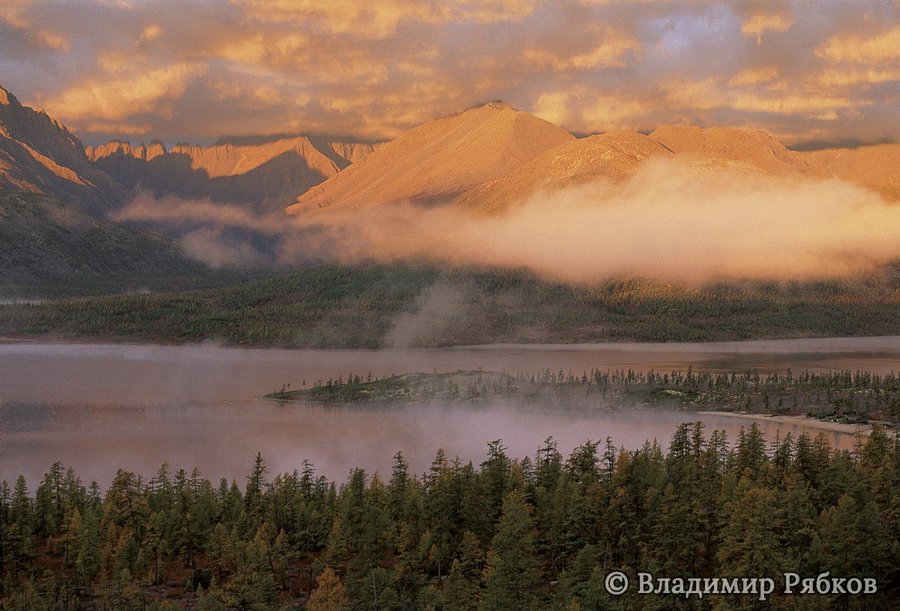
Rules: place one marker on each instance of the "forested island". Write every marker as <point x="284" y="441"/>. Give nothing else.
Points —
<point x="844" y="396"/>
<point x="508" y="533"/>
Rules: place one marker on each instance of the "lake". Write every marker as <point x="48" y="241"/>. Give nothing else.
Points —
<point x="97" y="408"/>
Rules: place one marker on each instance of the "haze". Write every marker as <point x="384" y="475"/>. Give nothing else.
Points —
<point x="99" y="408"/>
<point x="671" y="220"/>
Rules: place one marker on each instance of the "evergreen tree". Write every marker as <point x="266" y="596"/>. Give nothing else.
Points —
<point x="463" y="589"/>
<point x="329" y="594"/>
<point x="512" y="573"/>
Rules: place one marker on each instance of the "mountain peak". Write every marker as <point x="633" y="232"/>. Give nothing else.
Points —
<point x="40" y="155"/>
<point x="497" y="105"/>
<point x="438" y="160"/>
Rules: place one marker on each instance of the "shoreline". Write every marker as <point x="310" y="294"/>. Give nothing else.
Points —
<point x="805" y="421"/>
<point x="875" y="345"/>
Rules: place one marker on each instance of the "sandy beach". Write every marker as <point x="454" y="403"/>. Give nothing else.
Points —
<point x="814" y="423"/>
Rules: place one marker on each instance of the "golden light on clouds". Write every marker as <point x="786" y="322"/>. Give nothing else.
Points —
<point x="196" y="70"/>
<point x="582" y="107"/>
<point x="881" y="48"/>
<point x="755" y="76"/>
<point x="150" y="33"/>
<point x="118" y="99"/>
<point x="611" y="49"/>
<point x="761" y="23"/>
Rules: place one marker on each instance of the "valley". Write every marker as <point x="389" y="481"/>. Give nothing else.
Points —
<point x="476" y="305"/>
<point x="190" y="243"/>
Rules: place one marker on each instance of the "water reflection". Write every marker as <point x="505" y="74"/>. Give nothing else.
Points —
<point x="99" y="408"/>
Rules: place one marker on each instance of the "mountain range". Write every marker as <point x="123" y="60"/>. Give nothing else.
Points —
<point x="483" y="159"/>
<point x="266" y="173"/>
<point x="57" y="239"/>
<point x="490" y="157"/>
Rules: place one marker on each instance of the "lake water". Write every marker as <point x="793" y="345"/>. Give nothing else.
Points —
<point x="102" y="407"/>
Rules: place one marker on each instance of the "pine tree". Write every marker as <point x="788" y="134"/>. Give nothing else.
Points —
<point x="329" y="594"/>
<point x="462" y="591"/>
<point x="512" y="574"/>
<point x="749" y="541"/>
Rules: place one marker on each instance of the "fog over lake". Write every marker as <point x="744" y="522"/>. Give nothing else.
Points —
<point x="102" y="407"/>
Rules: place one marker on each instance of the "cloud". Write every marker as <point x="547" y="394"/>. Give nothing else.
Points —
<point x="150" y="33"/>
<point x="181" y="212"/>
<point x="672" y="220"/>
<point x="122" y="98"/>
<point x="215" y="247"/>
<point x="760" y="23"/>
<point x="883" y="47"/>
<point x="755" y="76"/>
<point x="372" y="70"/>
<point x="606" y="48"/>
<point x="580" y="107"/>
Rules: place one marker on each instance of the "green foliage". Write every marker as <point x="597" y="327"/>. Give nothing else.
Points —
<point x="842" y="396"/>
<point x="702" y="509"/>
<point x="52" y="249"/>
<point x="512" y="572"/>
<point x="327" y="305"/>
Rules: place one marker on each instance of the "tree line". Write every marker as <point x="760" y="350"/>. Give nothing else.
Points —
<point x="842" y="396"/>
<point x="356" y="306"/>
<point x="508" y="533"/>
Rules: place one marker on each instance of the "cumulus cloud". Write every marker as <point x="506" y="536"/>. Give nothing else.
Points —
<point x="672" y="220"/>
<point x="123" y="97"/>
<point x="372" y="70"/>
<point x="879" y="48"/>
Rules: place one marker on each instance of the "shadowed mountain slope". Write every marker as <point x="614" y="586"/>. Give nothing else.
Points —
<point x="39" y="155"/>
<point x="268" y="174"/>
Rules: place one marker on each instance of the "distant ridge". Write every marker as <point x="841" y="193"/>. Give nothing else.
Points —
<point x="617" y="155"/>
<point x="755" y="148"/>
<point x="876" y="166"/>
<point x="483" y="159"/>
<point x="267" y="172"/>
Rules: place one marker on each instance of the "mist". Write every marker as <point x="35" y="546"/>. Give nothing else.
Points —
<point x="670" y="221"/>
<point x="674" y="220"/>
<point x="98" y="408"/>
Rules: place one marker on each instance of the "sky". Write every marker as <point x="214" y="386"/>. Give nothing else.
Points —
<point x="195" y="70"/>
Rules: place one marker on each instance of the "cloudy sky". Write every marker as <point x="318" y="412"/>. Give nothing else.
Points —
<point x="193" y="70"/>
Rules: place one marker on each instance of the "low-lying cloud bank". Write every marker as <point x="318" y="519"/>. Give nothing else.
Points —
<point x="672" y="220"/>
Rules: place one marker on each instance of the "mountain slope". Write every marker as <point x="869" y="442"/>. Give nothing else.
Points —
<point x="755" y="148"/>
<point x="613" y="155"/>
<point x="49" y="248"/>
<point x="39" y="155"/>
<point x="876" y="167"/>
<point x="617" y="155"/>
<point x="438" y="160"/>
<point x="268" y="173"/>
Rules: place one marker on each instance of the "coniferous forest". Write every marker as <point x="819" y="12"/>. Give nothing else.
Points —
<point x="508" y="533"/>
